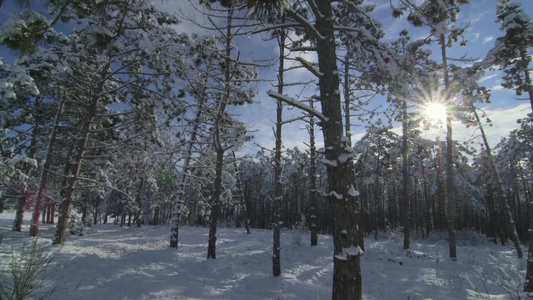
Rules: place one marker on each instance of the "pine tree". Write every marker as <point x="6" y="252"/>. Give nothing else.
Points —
<point x="512" y="52"/>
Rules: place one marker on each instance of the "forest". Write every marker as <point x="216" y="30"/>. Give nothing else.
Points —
<point x="117" y="112"/>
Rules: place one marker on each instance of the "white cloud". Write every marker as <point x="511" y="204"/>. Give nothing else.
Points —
<point x="488" y="39"/>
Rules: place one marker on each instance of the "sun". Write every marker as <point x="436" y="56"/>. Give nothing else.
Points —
<point x="435" y="112"/>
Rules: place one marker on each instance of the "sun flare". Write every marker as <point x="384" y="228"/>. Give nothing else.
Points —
<point x="436" y="112"/>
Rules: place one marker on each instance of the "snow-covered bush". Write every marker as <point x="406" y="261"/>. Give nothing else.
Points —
<point x="75" y="224"/>
<point x="298" y="230"/>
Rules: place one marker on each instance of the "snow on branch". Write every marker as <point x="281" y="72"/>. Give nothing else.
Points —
<point x="305" y="23"/>
<point x="297" y="104"/>
<point x="310" y="67"/>
<point x="354" y="6"/>
<point x="277" y="26"/>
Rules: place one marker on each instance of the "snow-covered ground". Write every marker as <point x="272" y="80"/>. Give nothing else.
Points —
<point x="112" y="262"/>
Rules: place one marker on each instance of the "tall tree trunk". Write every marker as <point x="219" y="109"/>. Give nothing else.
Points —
<point x="75" y="167"/>
<point x="176" y="213"/>
<point x="313" y="201"/>
<point x="499" y="185"/>
<point x="138" y="218"/>
<point x="34" y="228"/>
<point x="450" y="196"/>
<point x="240" y="194"/>
<point x="348" y="133"/>
<point x="278" y="187"/>
<point x="215" y="205"/>
<point x="217" y="141"/>
<point x="19" y="215"/>
<point x="528" y="285"/>
<point x="338" y="157"/>
<point x="405" y="180"/>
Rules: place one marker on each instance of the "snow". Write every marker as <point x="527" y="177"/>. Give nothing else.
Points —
<point x="336" y="195"/>
<point x="329" y="162"/>
<point x="112" y="262"/>
<point x="352" y="251"/>
<point x="352" y="192"/>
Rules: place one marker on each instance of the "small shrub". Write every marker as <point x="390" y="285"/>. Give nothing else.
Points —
<point x="24" y="275"/>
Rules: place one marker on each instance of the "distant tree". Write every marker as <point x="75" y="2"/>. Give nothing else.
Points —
<point x="119" y="68"/>
<point x="278" y="168"/>
<point x="228" y="84"/>
<point x="441" y="18"/>
<point x="242" y="212"/>
<point x="205" y="57"/>
<point x="472" y="93"/>
<point x="313" y="174"/>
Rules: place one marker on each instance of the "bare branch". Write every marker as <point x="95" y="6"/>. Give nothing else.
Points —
<point x="309" y="66"/>
<point x="298" y="104"/>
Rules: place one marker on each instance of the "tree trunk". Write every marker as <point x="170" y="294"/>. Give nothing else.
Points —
<point x="278" y="187"/>
<point x="34" y="228"/>
<point x="450" y="196"/>
<point x="215" y="205"/>
<point x="528" y="285"/>
<point x="75" y="168"/>
<point x="405" y="180"/>
<point x="240" y="194"/>
<point x="217" y="141"/>
<point x="342" y="196"/>
<point x="499" y="185"/>
<point x="138" y="218"/>
<point x="19" y="216"/>
<point x="176" y="213"/>
<point x="313" y="205"/>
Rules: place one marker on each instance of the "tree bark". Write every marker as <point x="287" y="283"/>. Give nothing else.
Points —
<point x="499" y="185"/>
<point x="313" y="205"/>
<point x="450" y="196"/>
<point x="217" y="141"/>
<point x="215" y="205"/>
<point x="34" y="228"/>
<point x="176" y="213"/>
<point x="347" y="280"/>
<point x="240" y="194"/>
<point x="278" y="187"/>
<point x="75" y="168"/>
<point x="138" y="218"/>
<point x="405" y="180"/>
<point x="19" y="215"/>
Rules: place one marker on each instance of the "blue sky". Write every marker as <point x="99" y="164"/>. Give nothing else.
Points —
<point x="504" y="109"/>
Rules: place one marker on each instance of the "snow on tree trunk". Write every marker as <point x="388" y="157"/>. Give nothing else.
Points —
<point x="75" y="168"/>
<point x="347" y="280"/>
<point x="278" y="186"/>
<point x="19" y="215"/>
<point x="176" y="213"/>
<point x="528" y="285"/>
<point x="240" y="195"/>
<point x="34" y="228"/>
<point x="215" y="205"/>
<point x="405" y="180"/>
<point x="450" y="193"/>
<point x="313" y="205"/>
<point x="499" y="185"/>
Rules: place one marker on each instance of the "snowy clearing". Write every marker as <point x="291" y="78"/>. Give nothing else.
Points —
<point x="112" y="262"/>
